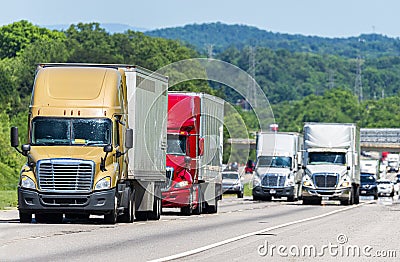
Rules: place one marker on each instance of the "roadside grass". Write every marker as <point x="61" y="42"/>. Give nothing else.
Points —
<point x="248" y="189"/>
<point x="8" y="198"/>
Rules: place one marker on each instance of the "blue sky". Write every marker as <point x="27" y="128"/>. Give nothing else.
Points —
<point x="330" y="18"/>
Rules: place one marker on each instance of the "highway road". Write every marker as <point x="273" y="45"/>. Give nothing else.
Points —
<point x="242" y="230"/>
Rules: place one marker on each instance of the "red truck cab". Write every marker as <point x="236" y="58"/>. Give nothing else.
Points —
<point x="185" y="188"/>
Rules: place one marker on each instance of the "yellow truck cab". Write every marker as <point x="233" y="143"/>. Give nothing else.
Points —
<point x="96" y="143"/>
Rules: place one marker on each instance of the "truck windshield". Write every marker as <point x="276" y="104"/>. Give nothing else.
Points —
<point x="317" y="158"/>
<point x="176" y="144"/>
<point x="274" y="161"/>
<point x="70" y="131"/>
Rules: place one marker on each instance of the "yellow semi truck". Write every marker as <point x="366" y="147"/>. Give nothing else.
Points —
<point x="96" y="144"/>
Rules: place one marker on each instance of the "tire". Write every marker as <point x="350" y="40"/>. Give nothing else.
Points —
<point x="111" y="218"/>
<point x="25" y="217"/>
<point x="156" y="213"/>
<point x="256" y="198"/>
<point x="356" y="196"/>
<point x="187" y="210"/>
<point x="129" y="211"/>
<point x="290" y="198"/>
<point x="212" y="209"/>
<point x="141" y="215"/>
<point x="200" y="202"/>
<point x="376" y="197"/>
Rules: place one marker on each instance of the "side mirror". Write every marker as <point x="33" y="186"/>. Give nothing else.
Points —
<point x="107" y="148"/>
<point x="201" y="146"/>
<point x="187" y="159"/>
<point x="14" y="136"/>
<point x="129" y="138"/>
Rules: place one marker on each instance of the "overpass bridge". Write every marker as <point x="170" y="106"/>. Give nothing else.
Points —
<point x="380" y="139"/>
<point x="371" y="139"/>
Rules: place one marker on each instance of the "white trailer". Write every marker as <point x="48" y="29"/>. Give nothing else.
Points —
<point x="210" y="164"/>
<point x="331" y="162"/>
<point x="147" y="113"/>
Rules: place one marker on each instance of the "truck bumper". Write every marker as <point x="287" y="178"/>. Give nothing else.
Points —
<point x="259" y="191"/>
<point x="175" y="197"/>
<point x="93" y="203"/>
<point x="326" y="194"/>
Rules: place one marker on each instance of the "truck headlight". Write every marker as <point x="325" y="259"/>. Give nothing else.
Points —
<point x="104" y="183"/>
<point x="345" y="184"/>
<point x="307" y="182"/>
<point x="27" y="182"/>
<point x="181" y="184"/>
<point x="345" y="181"/>
<point x="256" y="181"/>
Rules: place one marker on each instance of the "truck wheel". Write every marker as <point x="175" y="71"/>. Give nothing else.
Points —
<point x="111" y="218"/>
<point x="156" y="213"/>
<point x="240" y="194"/>
<point x="200" y="202"/>
<point x="212" y="209"/>
<point x="25" y="217"/>
<point x="187" y="210"/>
<point x="141" y="215"/>
<point x="256" y="198"/>
<point x="356" y="196"/>
<point x="129" y="211"/>
<point x="349" y="200"/>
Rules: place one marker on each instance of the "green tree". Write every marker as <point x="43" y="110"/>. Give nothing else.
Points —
<point x="17" y="36"/>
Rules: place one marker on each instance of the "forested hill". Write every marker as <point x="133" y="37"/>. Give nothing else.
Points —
<point x="222" y="36"/>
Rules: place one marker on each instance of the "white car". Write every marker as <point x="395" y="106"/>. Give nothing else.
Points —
<point x="232" y="183"/>
<point x="385" y="187"/>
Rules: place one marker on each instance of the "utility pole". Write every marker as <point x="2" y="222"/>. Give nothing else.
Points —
<point x="358" y="89"/>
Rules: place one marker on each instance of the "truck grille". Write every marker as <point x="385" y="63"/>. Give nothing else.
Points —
<point x="273" y="180"/>
<point x="65" y="175"/>
<point x="325" y="180"/>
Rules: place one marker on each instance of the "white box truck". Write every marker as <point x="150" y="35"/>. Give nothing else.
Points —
<point x="331" y="163"/>
<point x="278" y="170"/>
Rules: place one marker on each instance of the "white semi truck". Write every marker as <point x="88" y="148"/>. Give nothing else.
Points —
<point x="278" y="170"/>
<point x="331" y="163"/>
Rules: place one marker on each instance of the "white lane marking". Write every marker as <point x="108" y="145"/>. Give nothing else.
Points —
<point x="230" y="240"/>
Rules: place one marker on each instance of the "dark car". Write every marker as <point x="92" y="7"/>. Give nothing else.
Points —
<point x="368" y="185"/>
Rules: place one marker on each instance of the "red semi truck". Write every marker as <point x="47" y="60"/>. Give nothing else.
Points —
<point x="194" y="153"/>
